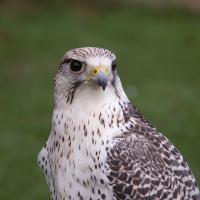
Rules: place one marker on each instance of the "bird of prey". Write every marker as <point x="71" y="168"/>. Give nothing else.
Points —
<point x="100" y="146"/>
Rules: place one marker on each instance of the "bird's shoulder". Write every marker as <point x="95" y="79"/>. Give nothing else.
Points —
<point x="144" y="163"/>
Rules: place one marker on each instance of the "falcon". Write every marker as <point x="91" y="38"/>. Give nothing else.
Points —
<point x="100" y="146"/>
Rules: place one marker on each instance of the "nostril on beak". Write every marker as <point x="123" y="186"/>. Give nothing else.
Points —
<point x="94" y="72"/>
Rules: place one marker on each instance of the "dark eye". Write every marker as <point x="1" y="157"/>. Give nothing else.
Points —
<point x="76" y="66"/>
<point x="114" y="65"/>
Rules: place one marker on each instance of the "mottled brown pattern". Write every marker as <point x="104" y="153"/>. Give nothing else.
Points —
<point x="143" y="164"/>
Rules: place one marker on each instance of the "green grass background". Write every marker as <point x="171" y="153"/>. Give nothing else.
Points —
<point x="158" y="56"/>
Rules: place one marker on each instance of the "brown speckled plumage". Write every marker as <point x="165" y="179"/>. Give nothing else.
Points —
<point x="101" y="146"/>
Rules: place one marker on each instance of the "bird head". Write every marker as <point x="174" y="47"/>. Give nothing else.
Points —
<point x="87" y="66"/>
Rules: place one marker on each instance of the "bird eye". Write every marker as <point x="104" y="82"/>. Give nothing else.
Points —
<point x="76" y="66"/>
<point x="114" y="65"/>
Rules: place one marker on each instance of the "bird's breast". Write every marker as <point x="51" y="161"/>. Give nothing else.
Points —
<point x="76" y="150"/>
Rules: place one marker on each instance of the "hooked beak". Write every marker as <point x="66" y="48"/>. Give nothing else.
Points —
<point x="100" y="74"/>
<point x="102" y="80"/>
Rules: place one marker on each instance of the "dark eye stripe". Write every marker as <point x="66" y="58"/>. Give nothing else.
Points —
<point x="67" y="60"/>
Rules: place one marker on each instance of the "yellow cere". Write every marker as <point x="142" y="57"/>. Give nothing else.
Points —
<point x="96" y="70"/>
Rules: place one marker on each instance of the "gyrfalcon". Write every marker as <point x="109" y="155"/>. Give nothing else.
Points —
<point x="100" y="145"/>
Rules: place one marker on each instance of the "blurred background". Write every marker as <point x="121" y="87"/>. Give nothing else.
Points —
<point x="157" y="43"/>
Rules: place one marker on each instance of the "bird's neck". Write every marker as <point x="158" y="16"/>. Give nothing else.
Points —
<point x="85" y="106"/>
<point x="82" y="102"/>
<point x="87" y="97"/>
